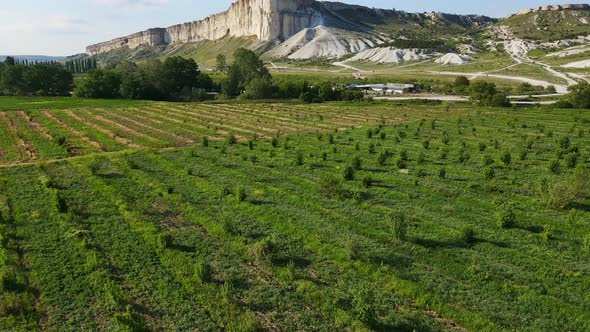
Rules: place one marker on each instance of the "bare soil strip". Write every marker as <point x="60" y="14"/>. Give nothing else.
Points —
<point x="185" y="121"/>
<point x="34" y="125"/>
<point x="72" y="130"/>
<point x="27" y="151"/>
<point x="124" y="129"/>
<point x="95" y="126"/>
<point x="178" y="140"/>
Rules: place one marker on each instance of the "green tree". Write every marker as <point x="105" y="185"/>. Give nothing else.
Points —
<point x="99" y="83"/>
<point x="221" y="61"/>
<point x="461" y="85"/>
<point x="579" y="95"/>
<point x="246" y="67"/>
<point x="259" y="88"/>
<point x="180" y="76"/>
<point x="482" y="93"/>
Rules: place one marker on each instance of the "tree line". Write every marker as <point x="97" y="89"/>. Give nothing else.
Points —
<point x="174" y="79"/>
<point x="179" y="79"/>
<point x="19" y="78"/>
<point x="81" y="66"/>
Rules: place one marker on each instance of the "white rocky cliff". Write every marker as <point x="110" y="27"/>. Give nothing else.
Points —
<point x="268" y="20"/>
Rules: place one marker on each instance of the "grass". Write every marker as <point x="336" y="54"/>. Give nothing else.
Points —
<point x="36" y="103"/>
<point x="268" y="234"/>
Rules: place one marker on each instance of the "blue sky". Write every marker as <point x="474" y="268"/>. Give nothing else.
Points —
<point x="64" y="27"/>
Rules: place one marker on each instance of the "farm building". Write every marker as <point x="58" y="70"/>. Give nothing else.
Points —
<point x="384" y="89"/>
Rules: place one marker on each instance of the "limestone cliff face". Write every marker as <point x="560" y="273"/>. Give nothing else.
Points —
<point x="268" y="20"/>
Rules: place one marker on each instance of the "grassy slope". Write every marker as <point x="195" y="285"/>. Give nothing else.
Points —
<point x="134" y="232"/>
<point x="549" y="26"/>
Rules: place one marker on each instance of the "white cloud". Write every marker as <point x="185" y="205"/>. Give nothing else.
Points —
<point x="65" y="24"/>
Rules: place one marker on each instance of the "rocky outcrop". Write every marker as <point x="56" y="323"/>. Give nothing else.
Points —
<point x="267" y="20"/>
<point x="555" y="8"/>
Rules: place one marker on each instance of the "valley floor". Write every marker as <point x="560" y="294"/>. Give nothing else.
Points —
<point x="321" y="217"/>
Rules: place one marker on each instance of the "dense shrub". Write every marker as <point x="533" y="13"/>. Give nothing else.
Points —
<point x="382" y="158"/>
<point x="554" y="166"/>
<point x="356" y="163"/>
<point x="505" y="217"/>
<point x="398" y="225"/>
<point x="331" y="138"/>
<point x="231" y="139"/>
<point x="367" y="181"/>
<point x="204" y="142"/>
<point x="348" y="173"/>
<point x="442" y="173"/>
<point x="299" y="158"/>
<point x="559" y="192"/>
<point x="468" y="235"/>
<point x="241" y="194"/>
<point x="586" y="244"/>
<point x="571" y="160"/>
<point x="506" y="157"/>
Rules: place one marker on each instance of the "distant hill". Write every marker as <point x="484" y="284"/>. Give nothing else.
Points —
<point x="38" y="58"/>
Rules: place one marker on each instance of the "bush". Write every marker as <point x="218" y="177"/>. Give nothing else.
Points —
<point x="564" y="143"/>
<point x="445" y="138"/>
<point x="332" y="186"/>
<point x="164" y="240"/>
<point x="400" y="163"/>
<point x="403" y="154"/>
<point x="204" y="142"/>
<point x="506" y="217"/>
<point x="382" y="135"/>
<point x="548" y="233"/>
<point x="586" y="244"/>
<point x="348" y="173"/>
<point x="399" y="225"/>
<point x="299" y="159"/>
<point x="442" y="173"/>
<point x="554" y="167"/>
<point x="241" y="194"/>
<point x="274" y="142"/>
<point x="250" y="145"/>
<point x="571" y="160"/>
<point x="371" y="148"/>
<point x="560" y="192"/>
<point x="356" y="163"/>
<point x="367" y="181"/>
<point x="231" y="139"/>
<point x="468" y="235"/>
<point x="382" y="158"/>
<point x="331" y="138"/>
<point x="369" y="133"/>
<point x="426" y="144"/>
<point x="506" y="158"/>
<point x="204" y="272"/>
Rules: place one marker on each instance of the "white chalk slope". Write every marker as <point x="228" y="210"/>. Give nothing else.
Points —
<point x="453" y="59"/>
<point x="389" y="55"/>
<point x="323" y="42"/>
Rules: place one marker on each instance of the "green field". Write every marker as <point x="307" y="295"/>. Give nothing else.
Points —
<point x="294" y="217"/>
